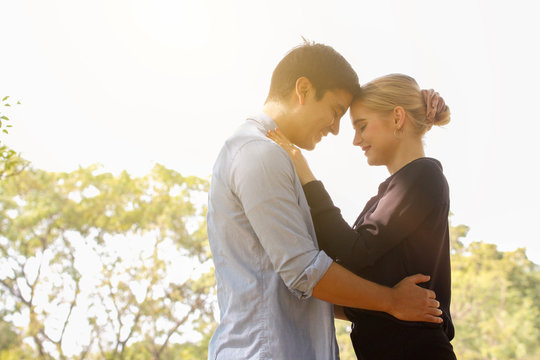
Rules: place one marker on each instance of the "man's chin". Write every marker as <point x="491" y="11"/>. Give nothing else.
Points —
<point x="308" y="147"/>
<point x="312" y="144"/>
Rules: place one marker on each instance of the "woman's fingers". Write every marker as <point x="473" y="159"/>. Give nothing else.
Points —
<point x="275" y="136"/>
<point x="302" y="168"/>
<point x="281" y="140"/>
<point x="278" y="136"/>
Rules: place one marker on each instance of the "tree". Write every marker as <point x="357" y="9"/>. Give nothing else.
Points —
<point x="495" y="301"/>
<point x="343" y="335"/>
<point x="11" y="345"/>
<point x="159" y="206"/>
<point x="10" y="162"/>
<point x="53" y="223"/>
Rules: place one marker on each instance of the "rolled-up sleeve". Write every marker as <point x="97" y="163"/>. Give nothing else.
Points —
<point x="264" y="181"/>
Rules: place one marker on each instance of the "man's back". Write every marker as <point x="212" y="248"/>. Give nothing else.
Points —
<point x="265" y="255"/>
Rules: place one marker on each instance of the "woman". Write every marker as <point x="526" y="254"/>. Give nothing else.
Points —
<point x="403" y="230"/>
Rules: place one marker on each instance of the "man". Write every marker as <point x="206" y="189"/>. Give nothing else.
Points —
<point x="275" y="287"/>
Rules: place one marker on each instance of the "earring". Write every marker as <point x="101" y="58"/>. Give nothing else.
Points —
<point x="303" y="97"/>
<point x="395" y="134"/>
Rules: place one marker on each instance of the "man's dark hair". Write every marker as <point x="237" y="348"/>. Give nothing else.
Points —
<point x="321" y="64"/>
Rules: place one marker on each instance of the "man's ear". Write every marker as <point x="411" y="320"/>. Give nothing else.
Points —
<point x="303" y="88"/>
<point x="399" y="114"/>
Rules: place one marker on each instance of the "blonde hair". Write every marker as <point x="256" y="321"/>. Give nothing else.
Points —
<point x="385" y="93"/>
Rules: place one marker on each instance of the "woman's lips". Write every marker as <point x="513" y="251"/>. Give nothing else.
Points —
<point x="365" y="149"/>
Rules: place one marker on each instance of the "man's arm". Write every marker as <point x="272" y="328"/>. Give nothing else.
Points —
<point x="262" y="177"/>
<point x="405" y="301"/>
<point x="339" y="313"/>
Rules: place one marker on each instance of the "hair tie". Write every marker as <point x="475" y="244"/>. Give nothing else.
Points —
<point x="434" y="105"/>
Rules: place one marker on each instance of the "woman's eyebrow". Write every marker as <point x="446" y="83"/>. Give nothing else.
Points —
<point x="356" y="121"/>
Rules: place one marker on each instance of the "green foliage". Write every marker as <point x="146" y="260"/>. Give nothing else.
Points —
<point x="10" y="162"/>
<point x="343" y="336"/>
<point x="11" y="345"/>
<point x="184" y="351"/>
<point x="107" y="246"/>
<point x="8" y="337"/>
<point x="496" y="302"/>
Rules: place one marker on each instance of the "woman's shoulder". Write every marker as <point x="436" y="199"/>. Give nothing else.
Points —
<point x="422" y="167"/>
<point x="425" y="174"/>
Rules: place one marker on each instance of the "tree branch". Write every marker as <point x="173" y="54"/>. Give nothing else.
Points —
<point x="195" y="306"/>
<point x="73" y="303"/>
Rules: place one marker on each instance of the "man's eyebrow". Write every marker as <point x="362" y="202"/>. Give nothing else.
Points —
<point x="356" y="121"/>
<point x="342" y="109"/>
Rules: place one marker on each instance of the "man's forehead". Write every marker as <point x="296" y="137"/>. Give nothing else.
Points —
<point x="343" y="99"/>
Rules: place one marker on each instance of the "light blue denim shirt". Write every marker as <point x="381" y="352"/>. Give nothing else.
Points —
<point x="266" y="256"/>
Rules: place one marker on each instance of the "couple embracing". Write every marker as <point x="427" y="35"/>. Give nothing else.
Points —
<point x="287" y="263"/>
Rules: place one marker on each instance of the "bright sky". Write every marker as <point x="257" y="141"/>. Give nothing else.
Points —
<point x="129" y="83"/>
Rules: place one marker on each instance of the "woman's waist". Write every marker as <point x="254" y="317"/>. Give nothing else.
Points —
<point x="374" y="320"/>
<point x="381" y="319"/>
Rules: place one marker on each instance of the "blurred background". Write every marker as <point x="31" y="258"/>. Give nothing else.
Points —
<point x="119" y="109"/>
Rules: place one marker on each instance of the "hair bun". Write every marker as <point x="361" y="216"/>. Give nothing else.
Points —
<point x="435" y="106"/>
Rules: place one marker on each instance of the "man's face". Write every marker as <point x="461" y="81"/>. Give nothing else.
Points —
<point x="320" y="117"/>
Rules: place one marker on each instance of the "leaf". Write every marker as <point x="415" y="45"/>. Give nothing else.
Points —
<point x="4" y="117"/>
<point x="7" y="105"/>
<point x="5" y="98"/>
<point x="5" y="131"/>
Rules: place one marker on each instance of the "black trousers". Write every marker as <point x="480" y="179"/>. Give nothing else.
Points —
<point x="384" y="339"/>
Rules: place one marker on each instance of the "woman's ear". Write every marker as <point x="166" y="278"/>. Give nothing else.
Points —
<point x="303" y="87"/>
<point x="399" y="114"/>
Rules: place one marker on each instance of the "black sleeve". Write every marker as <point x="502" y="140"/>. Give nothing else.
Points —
<point x="409" y="198"/>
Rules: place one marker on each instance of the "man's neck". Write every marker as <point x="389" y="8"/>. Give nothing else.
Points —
<point x="281" y="115"/>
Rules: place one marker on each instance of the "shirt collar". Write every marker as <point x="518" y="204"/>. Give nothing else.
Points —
<point x="264" y="120"/>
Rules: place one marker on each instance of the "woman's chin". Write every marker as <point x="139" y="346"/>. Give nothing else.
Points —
<point x="373" y="162"/>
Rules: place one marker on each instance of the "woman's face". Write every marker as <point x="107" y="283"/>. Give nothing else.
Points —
<point x="374" y="133"/>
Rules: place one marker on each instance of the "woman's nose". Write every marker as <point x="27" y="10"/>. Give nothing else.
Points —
<point x="357" y="140"/>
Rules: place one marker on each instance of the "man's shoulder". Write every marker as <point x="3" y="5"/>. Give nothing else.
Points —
<point x="250" y="138"/>
<point x="249" y="146"/>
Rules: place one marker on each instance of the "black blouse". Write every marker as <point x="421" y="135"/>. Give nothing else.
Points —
<point x="402" y="231"/>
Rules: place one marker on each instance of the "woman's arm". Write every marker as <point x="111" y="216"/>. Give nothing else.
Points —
<point x="408" y="199"/>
